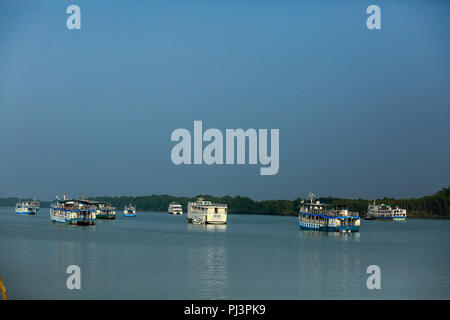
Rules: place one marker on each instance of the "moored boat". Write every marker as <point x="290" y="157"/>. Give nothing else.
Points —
<point x="205" y="212"/>
<point x="73" y="211"/>
<point x="175" y="208"/>
<point x="28" y="207"/>
<point x="105" y="211"/>
<point x="385" y="212"/>
<point x="129" y="211"/>
<point x="321" y="217"/>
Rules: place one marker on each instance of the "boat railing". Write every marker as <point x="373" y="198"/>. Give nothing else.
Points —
<point x="221" y="205"/>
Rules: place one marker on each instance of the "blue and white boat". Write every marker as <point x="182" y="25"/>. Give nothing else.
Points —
<point x="320" y="217"/>
<point x="27" y="207"/>
<point x="129" y="211"/>
<point x="73" y="211"/>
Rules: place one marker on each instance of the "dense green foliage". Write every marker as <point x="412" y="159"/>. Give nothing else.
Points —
<point x="437" y="205"/>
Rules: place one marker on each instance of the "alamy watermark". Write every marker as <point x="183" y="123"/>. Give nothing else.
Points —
<point x="374" y="280"/>
<point x="213" y="153"/>
<point x="74" y="20"/>
<point x="374" y="20"/>
<point x="74" y="280"/>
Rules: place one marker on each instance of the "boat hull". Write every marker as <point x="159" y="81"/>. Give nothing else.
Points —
<point x="106" y="216"/>
<point x="26" y="210"/>
<point x="394" y="218"/>
<point x="59" y="215"/>
<point x="29" y="213"/>
<point x="203" y="221"/>
<point x="321" y="227"/>
<point x="78" y="222"/>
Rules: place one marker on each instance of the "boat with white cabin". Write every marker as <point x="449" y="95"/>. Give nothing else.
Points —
<point x="175" y="208"/>
<point x="205" y="212"/>
<point x="385" y="212"/>
<point x="28" y="207"/>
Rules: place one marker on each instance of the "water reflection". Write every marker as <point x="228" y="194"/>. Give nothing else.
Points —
<point x="328" y="265"/>
<point x="207" y="268"/>
<point x="311" y="234"/>
<point x="76" y="249"/>
<point x="207" y="227"/>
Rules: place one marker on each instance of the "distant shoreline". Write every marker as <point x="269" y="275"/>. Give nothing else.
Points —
<point x="436" y="206"/>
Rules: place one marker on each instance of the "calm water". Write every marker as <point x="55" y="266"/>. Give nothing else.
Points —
<point x="160" y="256"/>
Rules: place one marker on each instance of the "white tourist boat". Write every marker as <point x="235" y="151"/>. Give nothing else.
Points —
<point x="205" y="212"/>
<point x="29" y="207"/>
<point x="73" y="211"/>
<point x="385" y="212"/>
<point x="175" y="208"/>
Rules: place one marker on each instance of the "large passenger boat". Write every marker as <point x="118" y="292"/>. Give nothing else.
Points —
<point x="73" y="211"/>
<point x="129" y="211"/>
<point x="175" y="208"/>
<point x="385" y="212"/>
<point x="205" y="212"/>
<point x="321" y="217"/>
<point x="29" y="207"/>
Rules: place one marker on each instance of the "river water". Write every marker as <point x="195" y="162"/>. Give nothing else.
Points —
<point x="160" y="256"/>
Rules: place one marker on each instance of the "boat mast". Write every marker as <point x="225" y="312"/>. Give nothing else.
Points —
<point x="311" y="197"/>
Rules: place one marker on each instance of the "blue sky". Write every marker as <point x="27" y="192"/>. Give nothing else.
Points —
<point x="361" y="113"/>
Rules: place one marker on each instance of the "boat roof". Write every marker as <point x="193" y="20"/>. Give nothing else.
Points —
<point x="318" y="204"/>
<point x="211" y="205"/>
<point x="73" y="200"/>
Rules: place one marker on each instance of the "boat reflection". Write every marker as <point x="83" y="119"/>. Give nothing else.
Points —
<point x="207" y="227"/>
<point x="75" y="252"/>
<point x="207" y="269"/>
<point x="329" y="265"/>
<point x="311" y="234"/>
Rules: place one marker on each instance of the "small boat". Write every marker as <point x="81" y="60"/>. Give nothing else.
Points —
<point x="73" y="211"/>
<point x="197" y="221"/>
<point x="320" y="217"/>
<point x="27" y="207"/>
<point x="385" y="212"/>
<point x="175" y="208"/>
<point x="129" y="211"/>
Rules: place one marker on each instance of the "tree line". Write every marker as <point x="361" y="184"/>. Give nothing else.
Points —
<point x="436" y="206"/>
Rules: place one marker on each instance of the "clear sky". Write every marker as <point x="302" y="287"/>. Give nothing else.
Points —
<point x="361" y="113"/>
